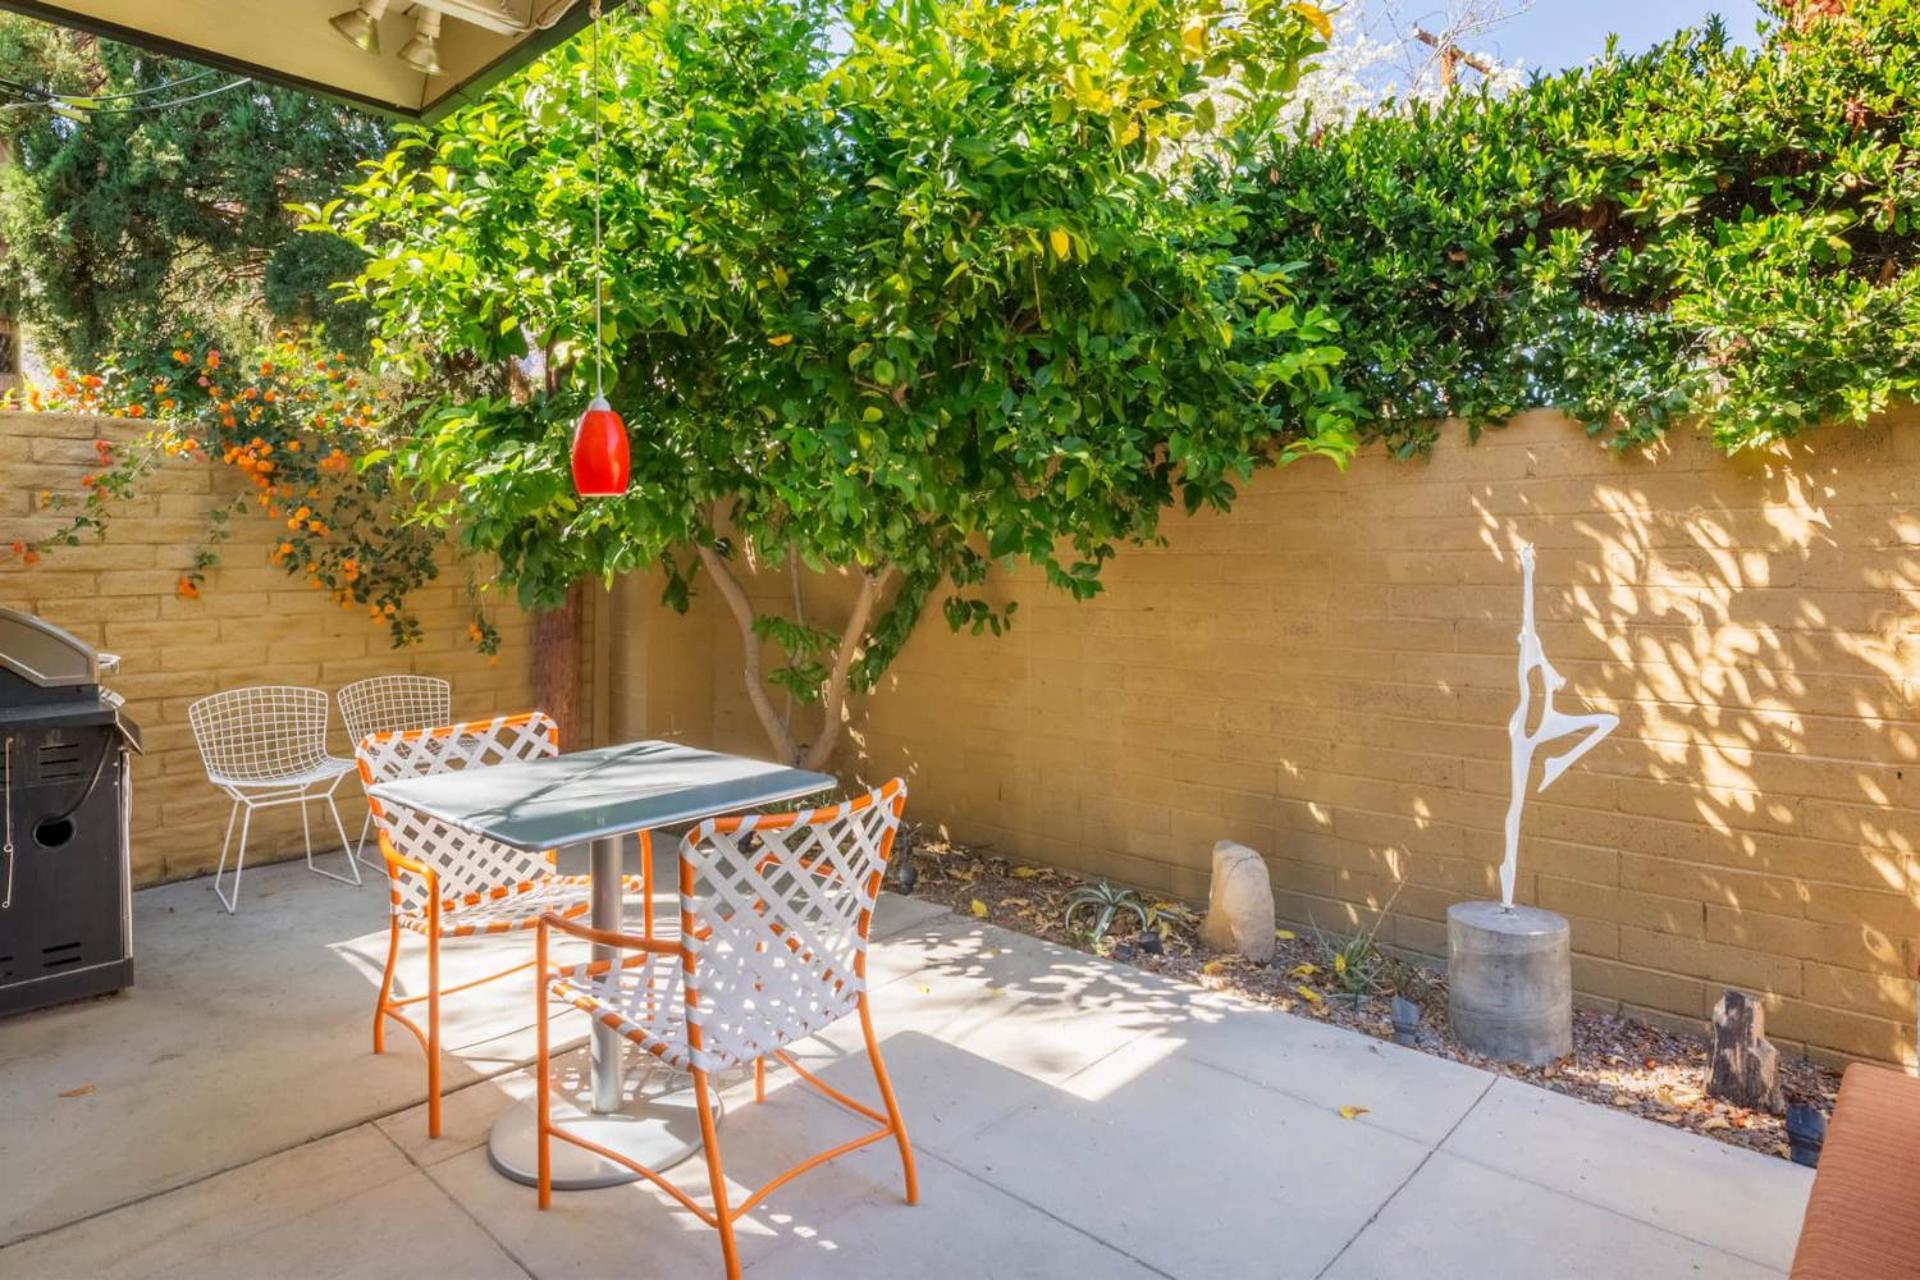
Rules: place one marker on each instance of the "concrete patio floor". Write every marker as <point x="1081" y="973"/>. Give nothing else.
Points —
<point x="1071" y="1117"/>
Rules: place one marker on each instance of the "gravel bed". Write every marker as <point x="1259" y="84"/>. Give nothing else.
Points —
<point x="1617" y="1061"/>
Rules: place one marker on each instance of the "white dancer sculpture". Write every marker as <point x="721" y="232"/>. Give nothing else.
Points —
<point x="1553" y="726"/>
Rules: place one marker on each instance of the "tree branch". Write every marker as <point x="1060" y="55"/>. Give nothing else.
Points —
<point x="736" y="599"/>
<point x="833" y="704"/>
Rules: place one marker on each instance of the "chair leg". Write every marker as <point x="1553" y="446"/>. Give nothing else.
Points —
<point x="646" y="884"/>
<point x="232" y="903"/>
<point x="433" y="1034"/>
<point x="360" y="850"/>
<point x="353" y="864"/>
<point x="340" y="829"/>
<point x="710" y="1140"/>
<point x="386" y="987"/>
<point x="543" y="1086"/>
<point x="893" y="1106"/>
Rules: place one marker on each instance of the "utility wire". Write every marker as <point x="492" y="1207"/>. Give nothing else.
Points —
<point x="54" y="95"/>
<point x="76" y="109"/>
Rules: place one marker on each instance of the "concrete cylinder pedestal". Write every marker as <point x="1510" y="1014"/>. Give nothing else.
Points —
<point x="1510" y="980"/>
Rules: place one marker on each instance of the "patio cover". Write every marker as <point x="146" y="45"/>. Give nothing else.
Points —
<point x="289" y="42"/>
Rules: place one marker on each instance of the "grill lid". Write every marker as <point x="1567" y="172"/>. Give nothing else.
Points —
<point x="51" y="679"/>
<point x="43" y="654"/>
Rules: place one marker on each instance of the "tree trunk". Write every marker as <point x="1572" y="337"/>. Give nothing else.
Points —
<point x="556" y="669"/>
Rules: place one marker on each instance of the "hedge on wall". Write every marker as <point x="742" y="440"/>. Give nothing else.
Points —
<point x="1699" y="231"/>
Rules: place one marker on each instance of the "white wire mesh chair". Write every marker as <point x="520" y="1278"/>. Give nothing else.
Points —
<point x="387" y="704"/>
<point x="266" y="746"/>
<point x="774" y="916"/>
<point x="449" y="883"/>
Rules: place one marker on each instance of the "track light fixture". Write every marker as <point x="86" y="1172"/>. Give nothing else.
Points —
<point x="361" y="24"/>
<point x="422" y="53"/>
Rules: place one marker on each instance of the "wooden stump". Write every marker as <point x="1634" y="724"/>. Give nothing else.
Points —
<point x="1746" y="1068"/>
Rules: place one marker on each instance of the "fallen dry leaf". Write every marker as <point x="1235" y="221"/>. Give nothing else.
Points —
<point x="1349" y="1112"/>
<point x="81" y="1092"/>
<point x="1308" y="994"/>
<point x="1284" y="935"/>
<point x="1025" y="873"/>
<point x="1714" y="1124"/>
<point x="979" y="908"/>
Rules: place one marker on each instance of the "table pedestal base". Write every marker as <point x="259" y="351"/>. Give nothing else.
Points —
<point x="659" y="1127"/>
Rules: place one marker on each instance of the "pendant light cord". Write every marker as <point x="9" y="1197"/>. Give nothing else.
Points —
<point x="599" y="342"/>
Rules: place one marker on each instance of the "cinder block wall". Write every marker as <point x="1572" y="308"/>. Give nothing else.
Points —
<point x="252" y="625"/>
<point x="1326" y="674"/>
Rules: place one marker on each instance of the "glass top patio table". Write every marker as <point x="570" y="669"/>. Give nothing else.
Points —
<point x="602" y="795"/>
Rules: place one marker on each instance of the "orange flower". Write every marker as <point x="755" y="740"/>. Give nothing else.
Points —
<point x="19" y="547"/>
<point x="186" y="590"/>
<point x="30" y="558"/>
<point x="180" y="355"/>
<point x="213" y="359"/>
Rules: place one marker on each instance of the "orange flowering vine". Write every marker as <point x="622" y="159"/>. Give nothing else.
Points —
<point x="292" y="420"/>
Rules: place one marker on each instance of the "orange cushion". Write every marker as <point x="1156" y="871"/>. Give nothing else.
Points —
<point x="1863" y="1218"/>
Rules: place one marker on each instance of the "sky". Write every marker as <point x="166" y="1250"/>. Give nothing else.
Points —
<point x="1561" y="33"/>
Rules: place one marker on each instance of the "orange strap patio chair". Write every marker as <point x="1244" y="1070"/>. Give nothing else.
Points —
<point x="448" y="883"/>
<point x="774" y="916"/>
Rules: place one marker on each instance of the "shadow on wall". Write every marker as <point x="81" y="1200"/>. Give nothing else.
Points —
<point x="1326" y="674"/>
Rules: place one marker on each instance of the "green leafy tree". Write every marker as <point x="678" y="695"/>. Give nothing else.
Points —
<point x="147" y="200"/>
<point x="891" y="292"/>
<point x="1700" y="231"/>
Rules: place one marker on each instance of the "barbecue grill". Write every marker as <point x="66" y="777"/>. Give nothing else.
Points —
<point x="66" y="801"/>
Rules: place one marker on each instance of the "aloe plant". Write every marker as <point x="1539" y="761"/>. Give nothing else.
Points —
<point x="1107" y="900"/>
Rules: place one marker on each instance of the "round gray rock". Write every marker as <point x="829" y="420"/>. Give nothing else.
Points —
<point x="1510" y="981"/>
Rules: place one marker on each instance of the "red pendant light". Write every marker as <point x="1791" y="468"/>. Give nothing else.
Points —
<point x="601" y="462"/>
<point x="600" y="459"/>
